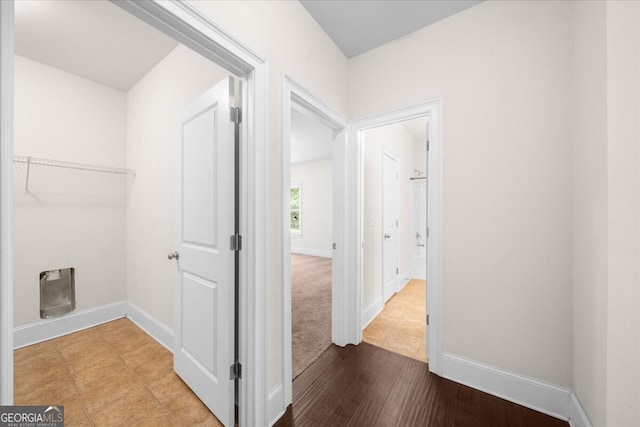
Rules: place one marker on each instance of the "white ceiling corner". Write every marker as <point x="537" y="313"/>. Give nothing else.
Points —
<point x="418" y="129"/>
<point x="92" y="39"/>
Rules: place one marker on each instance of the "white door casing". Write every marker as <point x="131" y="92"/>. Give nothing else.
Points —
<point x="196" y="31"/>
<point x="295" y="96"/>
<point x="432" y="109"/>
<point x="389" y="225"/>
<point x="204" y="292"/>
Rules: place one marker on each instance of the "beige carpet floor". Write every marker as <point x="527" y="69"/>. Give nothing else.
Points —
<point x="311" y="309"/>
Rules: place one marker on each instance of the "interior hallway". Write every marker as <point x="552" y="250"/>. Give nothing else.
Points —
<point x="115" y="375"/>
<point x="108" y="375"/>
<point x="368" y="386"/>
<point x="401" y="326"/>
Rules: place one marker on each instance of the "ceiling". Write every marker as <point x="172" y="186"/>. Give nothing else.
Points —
<point x="310" y="139"/>
<point x="357" y="26"/>
<point x="92" y="39"/>
<point x="418" y="129"/>
<point x="101" y="42"/>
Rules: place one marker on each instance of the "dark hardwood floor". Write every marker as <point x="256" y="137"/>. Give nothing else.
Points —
<point x="367" y="386"/>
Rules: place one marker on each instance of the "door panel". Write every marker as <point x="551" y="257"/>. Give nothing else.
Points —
<point x="389" y="225"/>
<point x="204" y="303"/>
<point x="198" y="207"/>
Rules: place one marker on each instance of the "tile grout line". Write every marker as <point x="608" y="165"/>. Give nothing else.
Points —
<point x="73" y="381"/>
<point x="66" y="351"/>
<point x="160" y="404"/>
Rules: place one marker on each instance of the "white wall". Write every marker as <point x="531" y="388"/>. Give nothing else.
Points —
<point x="502" y="70"/>
<point x="606" y="211"/>
<point x="623" y="186"/>
<point x="589" y="131"/>
<point x="396" y="140"/>
<point x="286" y="35"/>
<point x="152" y="105"/>
<point x="70" y="218"/>
<point x="316" y="182"/>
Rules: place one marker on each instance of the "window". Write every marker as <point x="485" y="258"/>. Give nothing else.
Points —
<point x="296" y="199"/>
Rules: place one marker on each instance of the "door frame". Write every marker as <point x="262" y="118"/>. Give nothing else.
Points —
<point x="190" y="27"/>
<point x="386" y="152"/>
<point x="295" y="96"/>
<point x="432" y="109"/>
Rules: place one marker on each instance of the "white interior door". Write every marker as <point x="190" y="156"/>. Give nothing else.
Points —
<point x="204" y="292"/>
<point x="389" y="225"/>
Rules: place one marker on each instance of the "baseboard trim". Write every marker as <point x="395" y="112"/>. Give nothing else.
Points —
<point x="276" y="404"/>
<point x="533" y="394"/>
<point x="312" y="252"/>
<point x="36" y="332"/>
<point x="286" y="420"/>
<point x="371" y="312"/>
<point x="577" y="415"/>
<point x="151" y="326"/>
<point x="406" y="278"/>
<point x="555" y="401"/>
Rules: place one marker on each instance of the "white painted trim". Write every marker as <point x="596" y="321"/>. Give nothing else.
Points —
<point x="276" y="403"/>
<point x="254" y="223"/>
<point x="186" y="24"/>
<point x="151" y="326"/>
<point x="403" y="279"/>
<point x="44" y="330"/>
<point x="371" y="312"/>
<point x="577" y="415"/>
<point x="537" y="395"/>
<point x="6" y="201"/>
<point x="322" y="253"/>
<point x="431" y="109"/>
<point x="295" y="96"/>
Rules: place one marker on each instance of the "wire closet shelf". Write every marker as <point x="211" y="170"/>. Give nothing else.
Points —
<point x="29" y="161"/>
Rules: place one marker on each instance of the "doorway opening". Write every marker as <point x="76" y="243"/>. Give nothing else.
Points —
<point x="394" y="250"/>
<point x="311" y="227"/>
<point x="189" y="26"/>
<point x="73" y="124"/>
<point x="372" y="302"/>
<point x="314" y="143"/>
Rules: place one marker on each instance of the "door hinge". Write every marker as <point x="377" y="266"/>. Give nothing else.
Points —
<point x="236" y="115"/>
<point x="427" y="145"/>
<point x="236" y="371"/>
<point x="236" y="242"/>
<point x="397" y="270"/>
<point x="427" y="320"/>
<point x="334" y="246"/>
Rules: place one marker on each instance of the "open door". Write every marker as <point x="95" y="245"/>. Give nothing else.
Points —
<point x="204" y="327"/>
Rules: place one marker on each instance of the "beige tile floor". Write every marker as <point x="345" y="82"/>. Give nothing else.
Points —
<point x="110" y="375"/>
<point x="401" y="326"/>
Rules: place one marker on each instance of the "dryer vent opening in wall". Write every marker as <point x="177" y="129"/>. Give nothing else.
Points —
<point x="57" y="292"/>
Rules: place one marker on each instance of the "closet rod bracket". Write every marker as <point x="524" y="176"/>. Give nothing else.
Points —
<point x="26" y="183"/>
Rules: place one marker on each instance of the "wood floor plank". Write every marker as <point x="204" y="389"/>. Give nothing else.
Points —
<point x="367" y="386"/>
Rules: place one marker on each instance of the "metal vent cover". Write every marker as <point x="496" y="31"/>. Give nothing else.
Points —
<point x="57" y="292"/>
